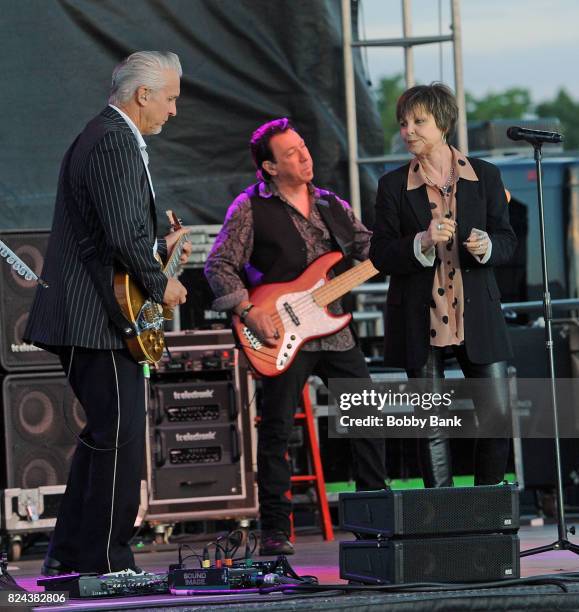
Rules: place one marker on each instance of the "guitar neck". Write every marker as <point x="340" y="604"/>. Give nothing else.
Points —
<point x="173" y="264"/>
<point x="343" y="283"/>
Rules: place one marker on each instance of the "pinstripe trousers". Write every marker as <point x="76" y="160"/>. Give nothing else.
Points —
<point x="97" y="513"/>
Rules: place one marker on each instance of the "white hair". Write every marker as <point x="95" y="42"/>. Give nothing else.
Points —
<point x="143" y="68"/>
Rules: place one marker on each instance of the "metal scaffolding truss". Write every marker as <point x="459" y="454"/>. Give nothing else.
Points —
<point x="407" y="42"/>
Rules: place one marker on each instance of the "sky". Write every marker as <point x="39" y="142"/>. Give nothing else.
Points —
<point x="532" y="44"/>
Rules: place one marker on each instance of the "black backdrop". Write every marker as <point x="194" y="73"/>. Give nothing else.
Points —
<point x="244" y="62"/>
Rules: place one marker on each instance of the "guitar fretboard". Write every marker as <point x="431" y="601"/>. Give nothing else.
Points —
<point x="173" y="264"/>
<point x="343" y="283"/>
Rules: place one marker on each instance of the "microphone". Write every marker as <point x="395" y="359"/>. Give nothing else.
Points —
<point x="533" y="136"/>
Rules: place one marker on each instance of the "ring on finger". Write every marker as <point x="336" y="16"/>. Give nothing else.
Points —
<point x="439" y="226"/>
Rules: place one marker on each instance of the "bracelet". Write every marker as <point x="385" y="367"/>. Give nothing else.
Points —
<point x="243" y="314"/>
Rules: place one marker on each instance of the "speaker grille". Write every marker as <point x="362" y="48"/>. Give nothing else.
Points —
<point x="469" y="558"/>
<point x="16" y="300"/>
<point x="448" y="510"/>
<point x="459" y="559"/>
<point x="458" y="509"/>
<point x="41" y="418"/>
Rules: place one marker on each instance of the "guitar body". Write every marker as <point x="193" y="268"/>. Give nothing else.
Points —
<point x="296" y="314"/>
<point x="147" y="315"/>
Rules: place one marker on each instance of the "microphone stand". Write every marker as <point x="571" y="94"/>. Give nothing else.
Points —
<point x="562" y="543"/>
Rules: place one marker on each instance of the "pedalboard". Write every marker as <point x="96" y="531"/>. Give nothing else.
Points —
<point x="183" y="581"/>
<point x="239" y="576"/>
<point x="80" y="586"/>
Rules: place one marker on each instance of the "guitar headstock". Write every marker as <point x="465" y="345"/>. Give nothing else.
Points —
<point x="174" y="221"/>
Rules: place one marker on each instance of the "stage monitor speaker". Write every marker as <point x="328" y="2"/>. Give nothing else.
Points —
<point x="447" y="510"/>
<point x="15" y="302"/>
<point x="41" y="417"/>
<point x="471" y="558"/>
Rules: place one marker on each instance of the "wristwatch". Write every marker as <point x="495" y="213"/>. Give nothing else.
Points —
<point x="243" y="314"/>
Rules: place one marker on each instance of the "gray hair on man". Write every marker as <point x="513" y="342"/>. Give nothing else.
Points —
<point x="141" y="68"/>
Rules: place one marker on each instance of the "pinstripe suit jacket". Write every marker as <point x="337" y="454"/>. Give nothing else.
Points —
<point x="108" y="181"/>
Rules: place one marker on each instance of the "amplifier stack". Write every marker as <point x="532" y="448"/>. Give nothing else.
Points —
<point x="462" y="534"/>
<point x="40" y="415"/>
<point x="201" y="440"/>
<point x="200" y="447"/>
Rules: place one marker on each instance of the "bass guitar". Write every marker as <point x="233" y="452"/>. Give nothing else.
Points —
<point x="299" y="312"/>
<point x="146" y="316"/>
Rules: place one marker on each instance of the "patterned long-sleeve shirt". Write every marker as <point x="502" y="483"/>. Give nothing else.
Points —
<point x="232" y="251"/>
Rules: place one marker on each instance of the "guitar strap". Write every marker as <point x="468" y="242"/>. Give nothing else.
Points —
<point x="89" y="255"/>
<point x="338" y="223"/>
<point x="342" y="235"/>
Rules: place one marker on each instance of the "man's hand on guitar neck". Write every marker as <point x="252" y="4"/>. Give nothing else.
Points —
<point x="175" y="293"/>
<point x="259" y="322"/>
<point x="172" y="238"/>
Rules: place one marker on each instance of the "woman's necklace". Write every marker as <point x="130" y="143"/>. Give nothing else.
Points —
<point x="446" y="189"/>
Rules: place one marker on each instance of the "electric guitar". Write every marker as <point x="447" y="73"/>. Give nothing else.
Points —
<point x="299" y="312"/>
<point x="19" y="266"/>
<point x="146" y="316"/>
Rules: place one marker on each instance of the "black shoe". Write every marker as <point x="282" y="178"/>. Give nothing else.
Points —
<point x="7" y="583"/>
<point x="53" y="567"/>
<point x="275" y="543"/>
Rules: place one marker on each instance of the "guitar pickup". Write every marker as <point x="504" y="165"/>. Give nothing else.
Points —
<point x="291" y="313"/>
<point x="150" y="317"/>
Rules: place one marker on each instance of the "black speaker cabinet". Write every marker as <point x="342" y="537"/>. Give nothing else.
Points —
<point x="537" y="469"/>
<point x="197" y="313"/>
<point x="15" y="302"/>
<point x="41" y="417"/>
<point x="469" y="558"/>
<point x="447" y="510"/>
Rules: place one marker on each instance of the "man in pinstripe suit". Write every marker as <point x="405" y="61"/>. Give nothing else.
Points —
<point x="105" y="178"/>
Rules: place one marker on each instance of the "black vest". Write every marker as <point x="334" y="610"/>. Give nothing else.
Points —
<point x="279" y="252"/>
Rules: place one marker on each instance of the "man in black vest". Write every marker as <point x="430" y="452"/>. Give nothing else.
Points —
<point x="272" y="231"/>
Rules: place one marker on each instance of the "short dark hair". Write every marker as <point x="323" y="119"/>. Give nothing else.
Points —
<point x="259" y="143"/>
<point x="437" y="99"/>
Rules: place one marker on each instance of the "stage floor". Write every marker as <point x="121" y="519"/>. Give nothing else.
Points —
<point x="314" y="556"/>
